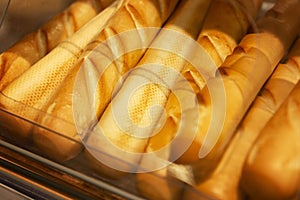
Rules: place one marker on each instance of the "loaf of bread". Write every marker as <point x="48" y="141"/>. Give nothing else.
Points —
<point x="27" y="95"/>
<point x="224" y="182"/>
<point x="224" y="26"/>
<point x="177" y="33"/>
<point x="159" y="183"/>
<point x="204" y="168"/>
<point x="130" y="16"/>
<point x="89" y="91"/>
<point x="24" y="17"/>
<point x="17" y="59"/>
<point x="272" y="169"/>
<point x="242" y="75"/>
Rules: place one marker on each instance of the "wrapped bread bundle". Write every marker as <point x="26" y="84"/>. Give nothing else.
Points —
<point x="204" y="167"/>
<point x="29" y="93"/>
<point x="224" y="182"/>
<point x="101" y="52"/>
<point x="17" y="59"/>
<point x="23" y="17"/>
<point x="218" y="37"/>
<point x="272" y="169"/>
<point x="241" y="76"/>
<point x="159" y="184"/>
<point x="117" y="124"/>
<point x="224" y="26"/>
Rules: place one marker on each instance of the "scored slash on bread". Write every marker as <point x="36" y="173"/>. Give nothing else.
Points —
<point x="17" y="59"/>
<point x="244" y="72"/>
<point x="131" y="15"/>
<point x="224" y="26"/>
<point x="283" y="39"/>
<point x="272" y="169"/>
<point x="27" y="95"/>
<point x="144" y="96"/>
<point x="163" y="188"/>
<point x="48" y="103"/>
<point x="224" y="182"/>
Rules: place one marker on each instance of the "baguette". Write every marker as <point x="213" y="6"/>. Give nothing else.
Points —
<point x="272" y="169"/>
<point x="225" y="25"/>
<point x="26" y="96"/>
<point x="223" y="183"/>
<point x="130" y="16"/>
<point x="183" y="25"/>
<point x="242" y="75"/>
<point x="34" y="46"/>
<point x="159" y="184"/>
<point x="220" y="35"/>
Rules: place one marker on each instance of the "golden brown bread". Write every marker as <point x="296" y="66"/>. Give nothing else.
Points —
<point x="64" y="143"/>
<point x="158" y="183"/>
<point x="144" y="96"/>
<point x="242" y="75"/>
<point x="272" y="169"/>
<point x="130" y="16"/>
<point x="152" y="146"/>
<point x="225" y="24"/>
<point x="28" y="94"/>
<point x="224" y="182"/>
<point x="219" y="35"/>
<point x="17" y="59"/>
<point x="260" y="43"/>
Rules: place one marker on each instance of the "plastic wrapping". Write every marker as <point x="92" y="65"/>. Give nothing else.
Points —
<point x="15" y="119"/>
<point x="24" y="17"/>
<point x="18" y="118"/>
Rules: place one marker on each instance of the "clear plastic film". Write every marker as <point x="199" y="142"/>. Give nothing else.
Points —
<point x="17" y="18"/>
<point x="36" y="86"/>
<point x="51" y="81"/>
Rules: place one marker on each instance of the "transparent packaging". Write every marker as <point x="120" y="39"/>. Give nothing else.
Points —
<point x="79" y="166"/>
<point x="19" y="18"/>
<point x="13" y="124"/>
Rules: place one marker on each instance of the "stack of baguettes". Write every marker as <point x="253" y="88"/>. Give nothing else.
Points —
<point x="253" y="153"/>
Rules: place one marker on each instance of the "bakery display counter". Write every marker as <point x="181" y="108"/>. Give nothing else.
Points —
<point x="147" y="99"/>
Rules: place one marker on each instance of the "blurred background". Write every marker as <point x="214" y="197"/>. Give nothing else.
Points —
<point x="24" y="16"/>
